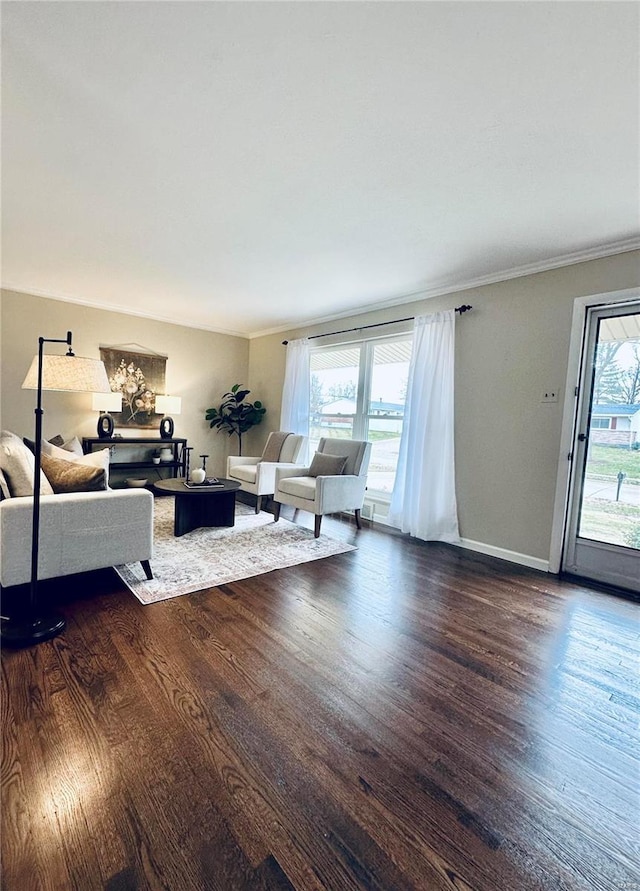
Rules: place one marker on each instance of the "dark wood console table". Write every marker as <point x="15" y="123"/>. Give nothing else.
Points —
<point x="134" y="453"/>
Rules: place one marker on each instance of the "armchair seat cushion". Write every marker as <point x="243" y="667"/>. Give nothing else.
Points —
<point x="244" y="472"/>
<point x="299" y="486"/>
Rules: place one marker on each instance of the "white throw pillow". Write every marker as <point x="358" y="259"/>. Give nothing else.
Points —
<point x="18" y="466"/>
<point x="4" y="487"/>
<point x="74" y="446"/>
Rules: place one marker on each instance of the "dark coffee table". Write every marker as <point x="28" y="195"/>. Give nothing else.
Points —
<point x="202" y="505"/>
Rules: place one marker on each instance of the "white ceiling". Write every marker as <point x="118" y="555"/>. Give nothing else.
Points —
<point x="247" y="167"/>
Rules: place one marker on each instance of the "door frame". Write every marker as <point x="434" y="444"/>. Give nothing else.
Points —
<point x="565" y="480"/>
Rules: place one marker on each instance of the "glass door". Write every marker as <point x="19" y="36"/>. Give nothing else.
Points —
<point x="602" y="540"/>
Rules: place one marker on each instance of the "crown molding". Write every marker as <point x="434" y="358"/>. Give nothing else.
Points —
<point x="453" y="286"/>
<point x="450" y="286"/>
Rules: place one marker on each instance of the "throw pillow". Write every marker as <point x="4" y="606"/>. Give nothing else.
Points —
<point x="327" y="465"/>
<point x="48" y="448"/>
<point x="4" y="487"/>
<point x="93" y="459"/>
<point x="69" y="476"/>
<point x="18" y="466"/>
<point x="57" y="440"/>
<point x="72" y="445"/>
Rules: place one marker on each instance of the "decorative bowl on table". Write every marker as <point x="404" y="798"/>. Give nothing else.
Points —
<point x="136" y="484"/>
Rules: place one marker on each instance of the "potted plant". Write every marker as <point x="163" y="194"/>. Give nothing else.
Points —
<point x="235" y="415"/>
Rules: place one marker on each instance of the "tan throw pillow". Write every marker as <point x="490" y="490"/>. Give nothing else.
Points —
<point x="327" y="465"/>
<point x="93" y="459"/>
<point x="18" y="466"/>
<point x="70" y="476"/>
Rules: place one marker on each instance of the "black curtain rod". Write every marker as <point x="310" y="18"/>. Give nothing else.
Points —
<point x="459" y="309"/>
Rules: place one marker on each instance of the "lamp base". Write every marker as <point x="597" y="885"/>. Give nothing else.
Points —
<point x="105" y="426"/>
<point x="166" y="428"/>
<point x="26" y="632"/>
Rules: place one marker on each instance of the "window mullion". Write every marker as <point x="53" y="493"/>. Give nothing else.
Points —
<point x="361" y="421"/>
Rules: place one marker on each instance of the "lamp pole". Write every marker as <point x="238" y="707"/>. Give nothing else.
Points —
<point x="34" y="628"/>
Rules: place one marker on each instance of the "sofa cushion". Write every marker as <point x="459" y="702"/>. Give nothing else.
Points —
<point x="70" y="476"/>
<point x="327" y="465"/>
<point x="18" y="466"/>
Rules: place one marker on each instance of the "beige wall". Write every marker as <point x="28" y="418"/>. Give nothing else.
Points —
<point x="201" y="366"/>
<point x="509" y="350"/>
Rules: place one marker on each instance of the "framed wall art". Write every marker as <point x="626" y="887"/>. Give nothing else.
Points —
<point x="139" y="375"/>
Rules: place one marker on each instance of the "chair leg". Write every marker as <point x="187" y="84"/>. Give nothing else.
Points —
<point x="276" y="511"/>
<point x="316" y="529"/>
<point x="258" y="503"/>
<point x="358" y="518"/>
<point x="147" y="568"/>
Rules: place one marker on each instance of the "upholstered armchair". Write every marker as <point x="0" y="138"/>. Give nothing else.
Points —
<point x="257" y="475"/>
<point x="335" y="481"/>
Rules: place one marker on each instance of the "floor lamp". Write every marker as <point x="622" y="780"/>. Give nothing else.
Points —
<point x="68" y="372"/>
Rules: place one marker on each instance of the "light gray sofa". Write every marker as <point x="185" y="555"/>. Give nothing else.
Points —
<point x="79" y="531"/>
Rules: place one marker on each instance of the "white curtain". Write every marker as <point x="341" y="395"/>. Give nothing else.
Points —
<point x="294" y="414"/>
<point x="423" y="502"/>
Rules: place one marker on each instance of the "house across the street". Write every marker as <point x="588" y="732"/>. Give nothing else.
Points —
<point x="617" y="425"/>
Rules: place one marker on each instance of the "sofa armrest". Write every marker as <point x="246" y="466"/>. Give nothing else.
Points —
<point x="266" y="475"/>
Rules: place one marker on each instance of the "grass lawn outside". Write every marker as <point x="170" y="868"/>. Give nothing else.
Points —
<point x="607" y="462"/>
<point x="610" y="521"/>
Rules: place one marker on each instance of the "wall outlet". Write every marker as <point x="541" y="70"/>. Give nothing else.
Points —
<point x="550" y="396"/>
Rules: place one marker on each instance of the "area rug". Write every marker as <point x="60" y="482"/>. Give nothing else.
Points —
<point x="209" y="557"/>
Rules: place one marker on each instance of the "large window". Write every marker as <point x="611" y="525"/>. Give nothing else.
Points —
<point x="358" y="391"/>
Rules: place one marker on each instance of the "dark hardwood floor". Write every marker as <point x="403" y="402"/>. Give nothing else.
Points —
<point x="403" y="716"/>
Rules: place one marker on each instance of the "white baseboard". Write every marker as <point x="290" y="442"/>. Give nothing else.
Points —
<point x="504" y="554"/>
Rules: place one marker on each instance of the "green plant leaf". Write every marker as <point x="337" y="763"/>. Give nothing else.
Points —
<point x="235" y="416"/>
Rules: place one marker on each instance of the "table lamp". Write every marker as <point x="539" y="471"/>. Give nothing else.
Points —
<point x="167" y="405"/>
<point x="105" y="403"/>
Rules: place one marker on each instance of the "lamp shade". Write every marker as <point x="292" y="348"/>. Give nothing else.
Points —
<point x="168" y="405"/>
<point x="107" y="402"/>
<point x="68" y="373"/>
